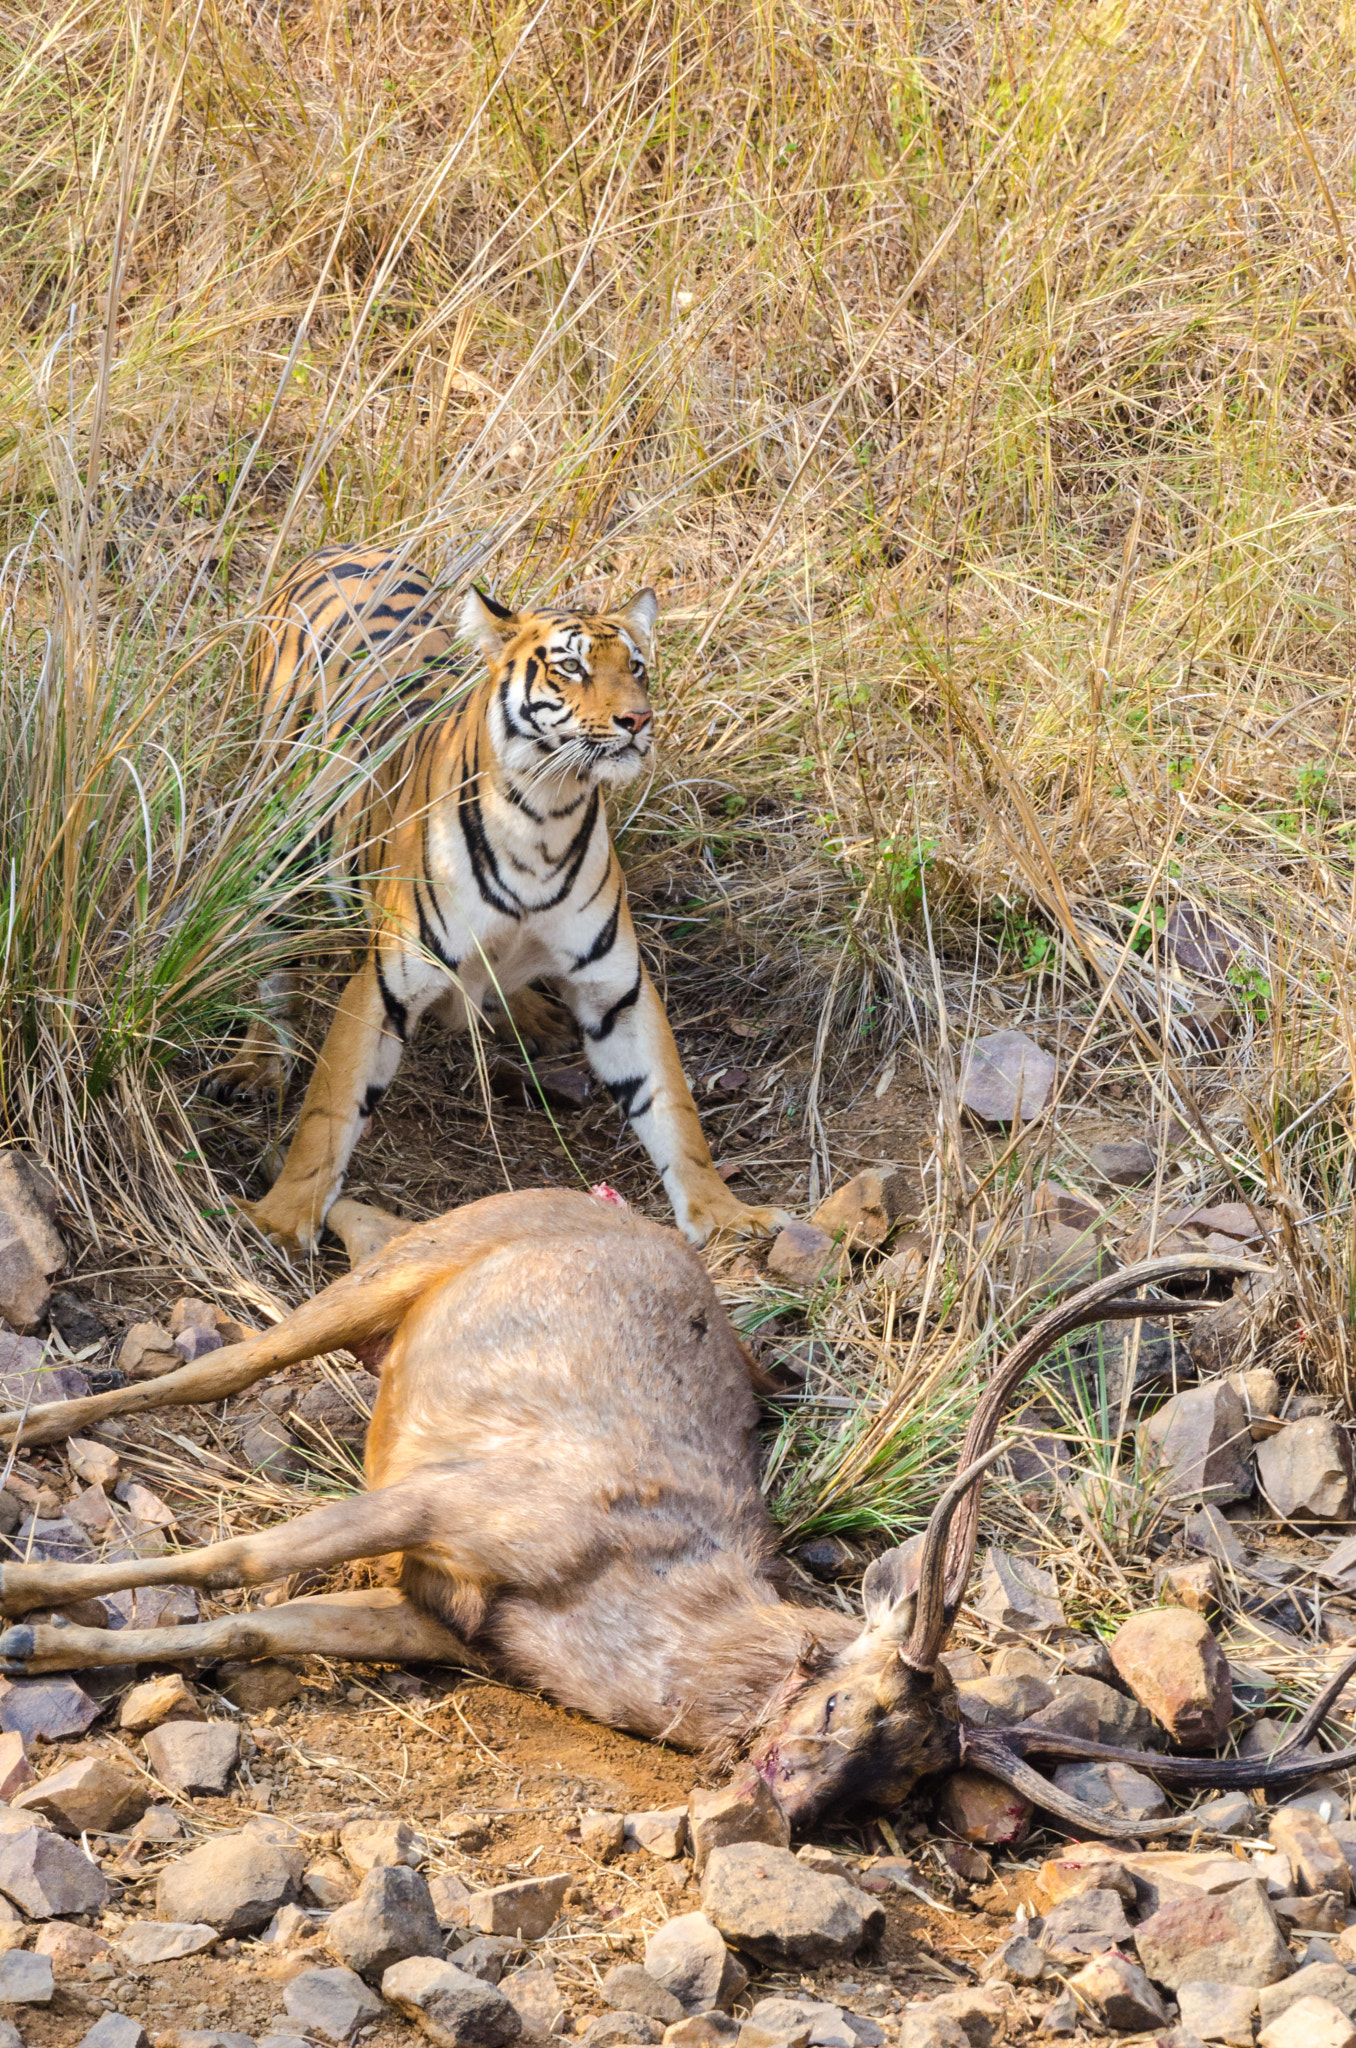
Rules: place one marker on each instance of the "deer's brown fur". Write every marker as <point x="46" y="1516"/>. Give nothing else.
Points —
<point x="563" y="1455"/>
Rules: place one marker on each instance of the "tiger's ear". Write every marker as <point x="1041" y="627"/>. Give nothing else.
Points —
<point x="640" y="614"/>
<point x="488" y="624"/>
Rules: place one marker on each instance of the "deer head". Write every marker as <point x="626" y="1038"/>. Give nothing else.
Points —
<point x="882" y="1712"/>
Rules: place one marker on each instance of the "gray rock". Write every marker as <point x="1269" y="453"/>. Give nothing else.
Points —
<point x="1086" y="1707"/>
<point x="91" y="1795"/>
<point x="687" y="1956"/>
<point x="1199" y="1441"/>
<point x="1212" y="1532"/>
<point x="380" y="1840"/>
<point x="602" y="1835"/>
<point x="164" y="1941"/>
<point x="1306" y="1471"/>
<point x="234" y="1883"/>
<point x="1084" y="1925"/>
<point x="1126" y="1165"/>
<point x="455" y="2010"/>
<point x="1200" y="944"/>
<point x="1117" y="1789"/>
<point x="769" y="1904"/>
<point x="923" y="2027"/>
<point x="741" y="1812"/>
<point x="53" y="1539"/>
<point x="45" y="1875"/>
<point x="1006" y="1077"/>
<point x="662" y="1832"/>
<point x="1001" y="1702"/>
<point x="488" y="1955"/>
<point x="193" y="1756"/>
<point x="623" y="2030"/>
<point x="535" y="1996"/>
<point x="1315" y="1855"/>
<point x="629" y="1988"/>
<point x="25" y="1978"/>
<point x="1118" y="1994"/>
<point x="391" y="1918"/>
<point x="1312" y="2023"/>
<point x="1050" y="1258"/>
<point x="1219" y="2012"/>
<point x="526" y="1909"/>
<point x="45" y="1709"/>
<point x="823" y="2025"/>
<point x="1233" y="1813"/>
<point x="331" y="2002"/>
<point x="1017" y="1596"/>
<point x="1319" y="1980"/>
<point x="1170" y="1660"/>
<point x="214" y="2037"/>
<point x="116" y="2030"/>
<point x="980" y="2011"/>
<point x="342" y="1412"/>
<point x="1019" y="1961"/>
<point x="1228" y="1938"/>
<point x="31" y="1249"/>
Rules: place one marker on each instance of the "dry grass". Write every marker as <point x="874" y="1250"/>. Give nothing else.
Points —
<point x="975" y="383"/>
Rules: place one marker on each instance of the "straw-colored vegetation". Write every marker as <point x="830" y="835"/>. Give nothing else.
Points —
<point x="977" y="385"/>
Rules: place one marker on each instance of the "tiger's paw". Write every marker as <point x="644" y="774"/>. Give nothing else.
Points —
<point x="294" y="1226"/>
<point x="705" y="1214"/>
<point x="251" y="1079"/>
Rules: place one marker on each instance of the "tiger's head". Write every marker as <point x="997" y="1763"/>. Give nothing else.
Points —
<point x="569" y="687"/>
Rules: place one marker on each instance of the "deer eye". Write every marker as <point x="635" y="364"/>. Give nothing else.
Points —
<point x="829" y="1706"/>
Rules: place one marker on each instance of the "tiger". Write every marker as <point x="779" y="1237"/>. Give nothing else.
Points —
<point x="472" y="815"/>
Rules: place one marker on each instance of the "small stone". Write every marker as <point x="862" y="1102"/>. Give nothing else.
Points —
<point x="1050" y="1258"/>
<point x="1295" y="1913"/>
<point x="1199" y="1441"/>
<point x="1194" y="1584"/>
<point x="25" y="1978"/>
<point x="391" y="1918"/>
<point x="1173" y="1665"/>
<point x="769" y="1905"/>
<point x="195" y="1342"/>
<point x="1215" y="1339"/>
<point x="998" y="1702"/>
<point x="1084" y="1867"/>
<point x="97" y="1464"/>
<point x="625" y="2030"/>
<point x="383" y="1841"/>
<point x="823" y="1859"/>
<point x="980" y="2011"/>
<point x="631" y="1989"/>
<point x="1006" y="1078"/>
<point x="687" y="1956"/>
<point x="811" y="2020"/>
<point x="342" y="1411"/>
<point x="234" y="1882"/>
<point x="331" y="2002"/>
<point x="859" y="1212"/>
<point x="1125" y="1165"/>
<point x="91" y="1795"/>
<point x="15" y="1769"/>
<point x="1116" y="1789"/>
<point x="32" y="1252"/>
<point x="1212" y="1532"/>
<point x="148" y="1352"/>
<point x="216" y="2037"/>
<point x="1218" y="2012"/>
<point x="488" y="1955"/>
<point x="193" y="1756"/>
<point x="116" y="2030"/>
<point x="455" y="2010"/>
<point x="1319" y="1980"/>
<point x="289" y="1927"/>
<point x="1306" y="1471"/>
<point x="1086" y="1706"/>
<point x="743" y="1812"/>
<point x="526" y="1909"/>
<point x="1314" y="1854"/>
<point x="163" y="1941"/>
<point x="45" y="1709"/>
<point x="663" y="1833"/>
<point x="70" y="1946"/>
<point x="1118" y="1994"/>
<point x="1233" y="1813"/>
<point x="922" y="2027"/>
<point x="1019" y="1961"/>
<point x="976" y="1808"/>
<point x="168" y="1697"/>
<point x="1017" y="1596"/>
<point x="904" y="1269"/>
<point x="602" y="1835"/>
<point x="1084" y="1925"/>
<point x="45" y="1875"/>
<point x="329" y="1881"/>
<point x="1229" y="1938"/>
<point x="1311" y="2023"/>
<point x="703" y="2030"/>
<point x="535" y="1996"/>
<point x="803" y="1255"/>
<point x="191" y="1313"/>
<point x="256" y="1686"/>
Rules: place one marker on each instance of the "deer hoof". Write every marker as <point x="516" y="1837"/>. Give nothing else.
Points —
<point x="16" y="1647"/>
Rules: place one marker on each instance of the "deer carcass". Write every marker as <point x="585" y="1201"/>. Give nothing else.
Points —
<point x="563" y="1455"/>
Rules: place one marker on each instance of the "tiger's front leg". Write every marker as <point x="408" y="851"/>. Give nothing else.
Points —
<point x="631" y="1048"/>
<point x="356" y="1066"/>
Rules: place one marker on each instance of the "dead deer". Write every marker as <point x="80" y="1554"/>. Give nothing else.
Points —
<point x="563" y="1455"/>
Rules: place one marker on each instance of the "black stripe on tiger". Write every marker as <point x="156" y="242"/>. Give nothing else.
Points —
<point x="604" y="941"/>
<point x="607" y="1023"/>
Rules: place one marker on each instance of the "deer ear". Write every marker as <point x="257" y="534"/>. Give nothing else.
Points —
<point x="640" y="615"/>
<point x="485" y="622"/>
<point x="889" y="1588"/>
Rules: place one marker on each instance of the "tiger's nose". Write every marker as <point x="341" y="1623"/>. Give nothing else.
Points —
<point x="631" y="721"/>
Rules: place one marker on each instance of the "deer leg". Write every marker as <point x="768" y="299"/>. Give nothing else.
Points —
<point x="391" y="1518"/>
<point x="379" y="1626"/>
<point x="362" y="1228"/>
